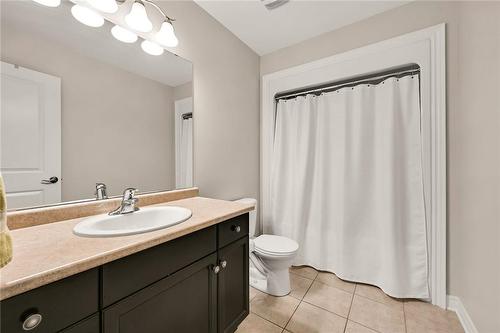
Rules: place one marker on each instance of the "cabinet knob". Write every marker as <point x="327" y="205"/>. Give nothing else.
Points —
<point x="236" y="228"/>
<point x="223" y="264"/>
<point x="32" y="321"/>
<point x="216" y="269"/>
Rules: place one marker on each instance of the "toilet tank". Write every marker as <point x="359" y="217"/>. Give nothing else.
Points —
<point x="252" y="221"/>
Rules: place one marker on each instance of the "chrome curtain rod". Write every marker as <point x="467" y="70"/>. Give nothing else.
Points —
<point x="368" y="79"/>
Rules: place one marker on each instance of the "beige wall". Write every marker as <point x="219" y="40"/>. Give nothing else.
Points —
<point x="473" y="89"/>
<point x="110" y="131"/>
<point x="226" y="103"/>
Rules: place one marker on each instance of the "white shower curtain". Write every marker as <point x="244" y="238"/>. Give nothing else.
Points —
<point x="347" y="184"/>
<point x="186" y="154"/>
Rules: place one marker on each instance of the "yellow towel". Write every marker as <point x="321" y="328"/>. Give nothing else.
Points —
<point x="5" y="240"/>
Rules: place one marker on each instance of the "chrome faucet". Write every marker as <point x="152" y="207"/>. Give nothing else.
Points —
<point x="128" y="204"/>
<point x="100" y="191"/>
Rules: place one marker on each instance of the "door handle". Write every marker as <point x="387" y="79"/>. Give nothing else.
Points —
<point x="51" y="180"/>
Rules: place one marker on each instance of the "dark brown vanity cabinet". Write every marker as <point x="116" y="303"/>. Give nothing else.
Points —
<point x="195" y="283"/>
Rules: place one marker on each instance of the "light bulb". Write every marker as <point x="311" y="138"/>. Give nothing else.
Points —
<point x="123" y="35"/>
<point x="106" y="6"/>
<point x="49" y="3"/>
<point x="166" y="35"/>
<point x="137" y="19"/>
<point x="151" y="48"/>
<point x="87" y="16"/>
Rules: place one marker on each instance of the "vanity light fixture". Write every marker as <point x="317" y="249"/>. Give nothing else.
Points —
<point x="87" y="16"/>
<point x="166" y="35"/>
<point x="49" y="3"/>
<point x="123" y="35"/>
<point x="106" y="6"/>
<point x="151" y="48"/>
<point x="138" y="19"/>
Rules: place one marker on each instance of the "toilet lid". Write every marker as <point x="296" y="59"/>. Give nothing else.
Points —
<point x="277" y="245"/>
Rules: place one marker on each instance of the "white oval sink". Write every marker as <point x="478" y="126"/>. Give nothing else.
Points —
<point x="143" y="220"/>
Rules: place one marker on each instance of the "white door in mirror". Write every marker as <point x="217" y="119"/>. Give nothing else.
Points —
<point x="30" y="141"/>
<point x="144" y="220"/>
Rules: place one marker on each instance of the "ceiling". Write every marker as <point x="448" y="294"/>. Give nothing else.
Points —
<point x="59" y="26"/>
<point x="266" y="31"/>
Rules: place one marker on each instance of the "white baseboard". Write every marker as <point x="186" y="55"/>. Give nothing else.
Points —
<point x="456" y="305"/>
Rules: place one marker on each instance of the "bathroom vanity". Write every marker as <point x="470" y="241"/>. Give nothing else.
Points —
<point x="197" y="282"/>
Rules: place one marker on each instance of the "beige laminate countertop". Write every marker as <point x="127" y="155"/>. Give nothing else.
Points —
<point x="50" y="252"/>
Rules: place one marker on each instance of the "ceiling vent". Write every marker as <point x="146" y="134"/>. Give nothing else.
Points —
<point x="273" y="4"/>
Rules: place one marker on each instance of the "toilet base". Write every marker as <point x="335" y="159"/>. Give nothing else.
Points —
<point x="276" y="283"/>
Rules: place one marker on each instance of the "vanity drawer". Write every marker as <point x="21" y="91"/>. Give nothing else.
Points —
<point x="123" y="277"/>
<point x="232" y="229"/>
<point x="59" y="304"/>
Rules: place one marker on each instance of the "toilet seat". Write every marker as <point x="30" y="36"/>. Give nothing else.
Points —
<point x="273" y="245"/>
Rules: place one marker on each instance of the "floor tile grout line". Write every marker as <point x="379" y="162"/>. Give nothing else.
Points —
<point x="349" y="312"/>
<point x="347" y="319"/>
<point x="300" y="302"/>
<point x="404" y="317"/>
<point x="304" y="277"/>
<point x="386" y="305"/>
<point x="292" y="315"/>
<point x="322" y="308"/>
<point x="355" y="285"/>
<point x="350" y="307"/>
<point x="329" y="285"/>
<point x="292" y="272"/>
<point x="374" y="300"/>
<point x="300" y="299"/>
<point x="352" y="300"/>
<point x="364" y="325"/>
<point x="266" y="319"/>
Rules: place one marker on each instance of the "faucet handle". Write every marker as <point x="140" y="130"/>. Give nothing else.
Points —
<point x="100" y="191"/>
<point x="129" y="193"/>
<point x="99" y="186"/>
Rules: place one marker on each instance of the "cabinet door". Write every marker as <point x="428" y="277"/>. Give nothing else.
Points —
<point x="183" y="302"/>
<point x="233" y="285"/>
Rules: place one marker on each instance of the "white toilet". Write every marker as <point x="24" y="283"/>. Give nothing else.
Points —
<point x="270" y="258"/>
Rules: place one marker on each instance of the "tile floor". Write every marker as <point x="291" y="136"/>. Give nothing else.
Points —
<point x="321" y="302"/>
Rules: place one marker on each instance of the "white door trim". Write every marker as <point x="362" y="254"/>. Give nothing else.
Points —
<point x="180" y="106"/>
<point x="427" y="49"/>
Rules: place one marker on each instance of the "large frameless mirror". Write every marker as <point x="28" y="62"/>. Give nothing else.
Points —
<point x="80" y="108"/>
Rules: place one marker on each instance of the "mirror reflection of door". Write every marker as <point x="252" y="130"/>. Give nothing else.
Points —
<point x="30" y="136"/>
<point x="184" y="143"/>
